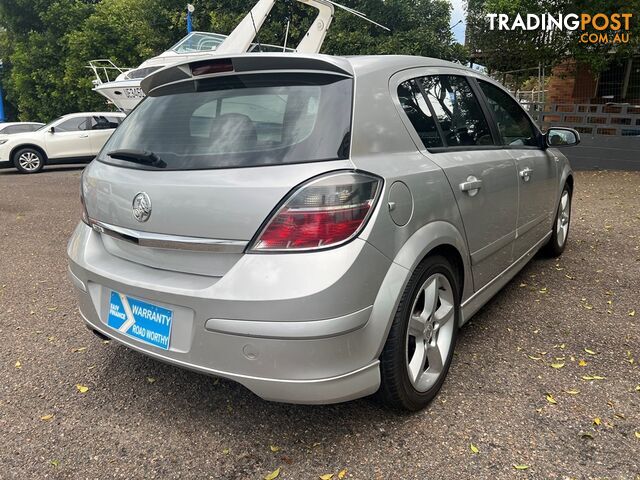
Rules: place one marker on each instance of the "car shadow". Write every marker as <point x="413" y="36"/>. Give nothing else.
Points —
<point x="54" y="168"/>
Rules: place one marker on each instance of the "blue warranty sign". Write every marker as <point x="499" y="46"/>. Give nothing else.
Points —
<point x="140" y="320"/>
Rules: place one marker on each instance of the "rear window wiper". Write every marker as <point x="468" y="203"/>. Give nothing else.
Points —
<point x="142" y="157"/>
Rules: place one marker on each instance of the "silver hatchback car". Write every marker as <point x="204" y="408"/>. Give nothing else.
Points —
<point x="315" y="228"/>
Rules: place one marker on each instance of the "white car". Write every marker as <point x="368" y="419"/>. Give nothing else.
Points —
<point x="73" y="138"/>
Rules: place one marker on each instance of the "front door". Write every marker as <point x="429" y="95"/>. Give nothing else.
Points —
<point x="70" y="139"/>
<point x="536" y="167"/>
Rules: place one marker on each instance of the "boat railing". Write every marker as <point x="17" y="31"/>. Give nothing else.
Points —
<point x="104" y="70"/>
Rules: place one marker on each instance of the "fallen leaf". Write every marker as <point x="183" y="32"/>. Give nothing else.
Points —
<point x="55" y="463"/>
<point x="342" y="473"/>
<point x="597" y="421"/>
<point x="52" y="309"/>
<point x="637" y="388"/>
<point x="18" y="364"/>
<point x="82" y="388"/>
<point x="226" y="451"/>
<point x="473" y="448"/>
<point x="582" y="363"/>
<point x="572" y="392"/>
<point x="632" y="313"/>
<point x="593" y="377"/>
<point x="520" y="467"/>
<point x="550" y="399"/>
<point x="274" y="448"/>
<point x="590" y="352"/>
<point x="286" y="459"/>
<point x="326" y="476"/>
<point x="637" y="434"/>
<point x="273" y="474"/>
<point x="47" y="417"/>
<point x="557" y="365"/>
<point x="79" y="349"/>
<point x="534" y="358"/>
<point x="588" y="307"/>
<point x="151" y="380"/>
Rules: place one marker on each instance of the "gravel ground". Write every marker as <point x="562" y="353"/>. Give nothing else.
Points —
<point x="143" y="419"/>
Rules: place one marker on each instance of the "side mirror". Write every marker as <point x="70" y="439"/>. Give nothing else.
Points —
<point x="52" y="130"/>
<point x="561" y="137"/>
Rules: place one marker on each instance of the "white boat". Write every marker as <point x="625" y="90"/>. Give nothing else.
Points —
<point x="124" y="90"/>
<point x="121" y="86"/>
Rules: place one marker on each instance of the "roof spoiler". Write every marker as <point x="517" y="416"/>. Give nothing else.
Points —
<point x="244" y="63"/>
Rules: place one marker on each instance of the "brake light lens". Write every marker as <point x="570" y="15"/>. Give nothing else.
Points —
<point x="322" y="213"/>
<point x="84" y="215"/>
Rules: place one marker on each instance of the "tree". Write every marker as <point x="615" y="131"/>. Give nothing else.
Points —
<point x="519" y="49"/>
<point x="48" y="44"/>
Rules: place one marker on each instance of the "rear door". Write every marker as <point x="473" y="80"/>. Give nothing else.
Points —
<point x="536" y="167"/>
<point x="100" y="129"/>
<point x="70" y="139"/>
<point x="482" y="175"/>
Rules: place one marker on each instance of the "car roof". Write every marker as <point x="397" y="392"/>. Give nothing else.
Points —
<point x="373" y="66"/>
<point x="84" y="114"/>
<point x="8" y="124"/>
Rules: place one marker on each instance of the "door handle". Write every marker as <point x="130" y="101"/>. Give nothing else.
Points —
<point x="471" y="186"/>
<point x="86" y="135"/>
<point x="525" y="173"/>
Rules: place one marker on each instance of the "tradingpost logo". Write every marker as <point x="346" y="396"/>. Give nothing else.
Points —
<point x="598" y="28"/>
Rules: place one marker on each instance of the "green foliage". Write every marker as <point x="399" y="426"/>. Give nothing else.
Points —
<point x="46" y="45"/>
<point x="518" y="49"/>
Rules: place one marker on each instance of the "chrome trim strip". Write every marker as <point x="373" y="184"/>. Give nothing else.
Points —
<point x="169" y="242"/>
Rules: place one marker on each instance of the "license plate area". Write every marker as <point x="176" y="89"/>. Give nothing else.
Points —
<point x="140" y="320"/>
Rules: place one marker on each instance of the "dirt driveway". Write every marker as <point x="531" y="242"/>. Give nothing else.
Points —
<point x="546" y="376"/>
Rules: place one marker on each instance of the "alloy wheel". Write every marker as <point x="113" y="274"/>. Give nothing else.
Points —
<point x="430" y="332"/>
<point x="562" y="224"/>
<point x="29" y="161"/>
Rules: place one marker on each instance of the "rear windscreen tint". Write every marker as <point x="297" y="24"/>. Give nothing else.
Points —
<point x="240" y="121"/>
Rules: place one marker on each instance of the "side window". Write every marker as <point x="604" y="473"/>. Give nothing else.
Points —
<point x="457" y="110"/>
<point x="101" y="122"/>
<point x="513" y="123"/>
<point x="416" y="108"/>
<point x="72" y="125"/>
<point x="12" y="129"/>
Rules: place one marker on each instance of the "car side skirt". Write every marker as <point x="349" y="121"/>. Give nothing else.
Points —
<point x="482" y="296"/>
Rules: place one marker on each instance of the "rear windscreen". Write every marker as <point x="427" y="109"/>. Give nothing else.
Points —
<point x="240" y="121"/>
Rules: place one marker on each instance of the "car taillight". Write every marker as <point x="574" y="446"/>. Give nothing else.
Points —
<point x="84" y="215"/>
<point x="321" y="213"/>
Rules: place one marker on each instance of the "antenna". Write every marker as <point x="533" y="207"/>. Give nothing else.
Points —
<point x="357" y="14"/>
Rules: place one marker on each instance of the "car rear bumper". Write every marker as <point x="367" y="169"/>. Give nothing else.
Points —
<point x="313" y="359"/>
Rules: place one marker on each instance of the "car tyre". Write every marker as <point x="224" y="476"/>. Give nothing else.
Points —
<point x="28" y="160"/>
<point x="560" y="233"/>
<point x="419" y="349"/>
